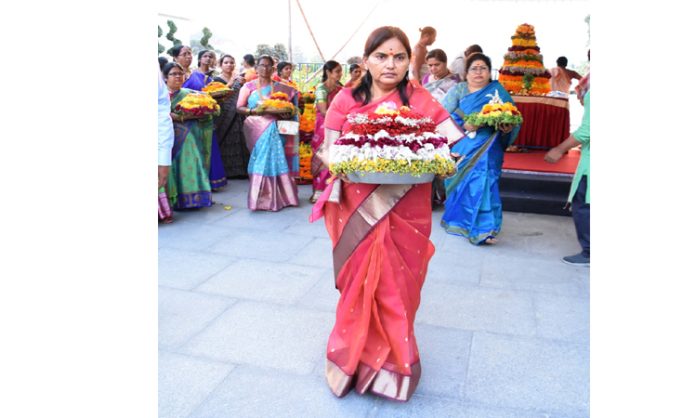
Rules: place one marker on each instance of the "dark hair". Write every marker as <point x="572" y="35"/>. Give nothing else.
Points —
<point x="249" y="59"/>
<point x="176" y="50"/>
<point x="477" y="56"/>
<point x="200" y="55"/>
<point x="377" y="38"/>
<point x="162" y="62"/>
<point x="265" y="57"/>
<point x="438" y="54"/>
<point x="473" y="49"/>
<point x="168" y="67"/>
<point x="282" y="65"/>
<point x="428" y="30"/>
<point x="222" y="58"/>
<point x="329" y="65"/>
<point x="562" y="61"/>
<point x="353" y="67"/>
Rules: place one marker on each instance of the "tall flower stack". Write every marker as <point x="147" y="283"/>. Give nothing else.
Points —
<point x="307" y="121"/>
<point x="523" y="71"/>
<point x="391" y="145"/>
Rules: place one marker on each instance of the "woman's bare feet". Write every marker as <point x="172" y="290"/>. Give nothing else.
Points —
<point x="490" y="241"/>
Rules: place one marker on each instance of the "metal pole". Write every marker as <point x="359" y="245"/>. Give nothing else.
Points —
<point x="289" y="31"/>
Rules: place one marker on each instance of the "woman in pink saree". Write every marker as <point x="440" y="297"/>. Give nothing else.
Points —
<point x="326" y="91"/>
<point x="380" y="235"/>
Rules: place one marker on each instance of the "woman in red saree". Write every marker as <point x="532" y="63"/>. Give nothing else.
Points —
<point x="380" y="235"/>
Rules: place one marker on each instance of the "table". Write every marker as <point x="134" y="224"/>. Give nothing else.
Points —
<point x="546" y="121"/>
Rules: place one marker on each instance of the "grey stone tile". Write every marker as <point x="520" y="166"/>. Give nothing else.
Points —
<point x="477" y="309"/>
<point x="263" y="280"/>
<point x="453" y="268"/>
<point x="189" y="235"/>
<point x="252" y="392"/>
<point x="444" y="355"/>
<point x="318" y="253"/>
<point x="182" y="314"/>
<point x="265" y="335"/>
<point x="520" y="273"/>
<point x="184" y="383"/>
<point x="302" y="226"/>
<point x="271" y="245"/>
<point x="184" y="269"/>
<point x="419" y="406"/>
<point x="529" y="373"/>
<point x="563" y="318"/>
<point x="323" y="296"/>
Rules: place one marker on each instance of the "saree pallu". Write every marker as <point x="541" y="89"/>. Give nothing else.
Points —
<point x="380" y="235"/>
<point x="164" y="211"/>
<point x="216" y="172"/>
<point x="272" y="185"/>
<point x="381" y="250"/>
<point x="230" y="136"/>
<point x="473" y="208"/>
<point x="320" y="174"/>
<point x="188" y="185"/>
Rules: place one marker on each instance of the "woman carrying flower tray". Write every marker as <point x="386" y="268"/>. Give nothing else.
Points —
<point x="273" y="156"/>
<point x="188" y="186"/>
<point x="380" y="236"/>
<point x="473" y="208"/>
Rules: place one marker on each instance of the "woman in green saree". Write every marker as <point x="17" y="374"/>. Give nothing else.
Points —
<point x="188" y="186"/>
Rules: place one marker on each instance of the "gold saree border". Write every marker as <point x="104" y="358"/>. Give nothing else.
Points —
<point x="370" y="212"/>
<point x="551" y="101"/>
<point x="383" y="382"/>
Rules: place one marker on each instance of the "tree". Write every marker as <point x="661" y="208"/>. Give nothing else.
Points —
<point x="172" y="31"/>
<point x="263" y="49"/>
<point x="280" y="52"/>
<point x="160" y="47"/>
<point x="207" y="34"/>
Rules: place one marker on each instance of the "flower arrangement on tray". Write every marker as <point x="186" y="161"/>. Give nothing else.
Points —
<point x="494" y="113"/>
<point x="218" y="90"/>
<point x="391" y="146"/>
<point x="196" y="105"/>
<point x="278" y="102"/>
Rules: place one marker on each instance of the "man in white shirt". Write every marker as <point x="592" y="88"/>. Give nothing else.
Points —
<point x="166" y="131"/>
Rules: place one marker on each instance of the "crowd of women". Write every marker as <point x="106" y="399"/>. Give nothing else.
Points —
<point x="380" y="232"/>
<point x="244" y="141"/>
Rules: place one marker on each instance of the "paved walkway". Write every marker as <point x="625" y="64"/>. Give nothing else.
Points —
<point x="246" y="304"/>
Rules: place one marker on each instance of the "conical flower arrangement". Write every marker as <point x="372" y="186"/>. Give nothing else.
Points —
<point x="523" y="71"/>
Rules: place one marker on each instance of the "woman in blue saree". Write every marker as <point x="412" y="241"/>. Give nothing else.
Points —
<point x="473" y="208"/>
<point x="199" y="79"/>
<point x="272" y="185"/>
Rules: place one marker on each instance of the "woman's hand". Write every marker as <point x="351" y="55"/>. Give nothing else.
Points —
<point x="553" y="155"/>
<point x="505" y="128"/>
<point x="470" y="128"/>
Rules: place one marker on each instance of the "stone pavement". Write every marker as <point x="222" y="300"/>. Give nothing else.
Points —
<point x="246" y="304"/>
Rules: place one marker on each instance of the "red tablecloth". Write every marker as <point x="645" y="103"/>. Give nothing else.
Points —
<point x="546" y="121"/>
